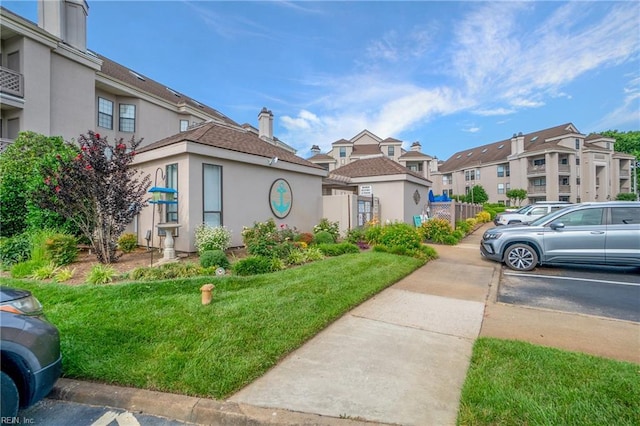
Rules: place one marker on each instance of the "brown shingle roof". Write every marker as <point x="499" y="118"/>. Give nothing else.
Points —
<point x="392" y="140"/>
<point x="321" y="157"/>
<point x="499" y="151"/>
<point x="232" y="138"/>
<point x="414" y="155"/>
<point x="377" y="166"/>
<point x="366" y="149"/>
<point x="125" y="75"/>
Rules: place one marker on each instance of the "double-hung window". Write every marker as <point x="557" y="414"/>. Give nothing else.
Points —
<point x="105" y="113"/>
<point x="127" y="118"/>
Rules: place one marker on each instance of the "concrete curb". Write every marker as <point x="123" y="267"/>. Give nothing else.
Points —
<point x="201" y="411"/>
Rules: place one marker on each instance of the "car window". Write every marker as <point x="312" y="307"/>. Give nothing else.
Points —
<point x="584" y="217"/>
<point x="625" y="215"/>
<point x="555" y="208"/>
<point x="538" y="210"/>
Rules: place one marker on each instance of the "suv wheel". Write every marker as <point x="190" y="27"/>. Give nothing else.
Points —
<point x="9" y="395"/>
<point x="521" y="257"/>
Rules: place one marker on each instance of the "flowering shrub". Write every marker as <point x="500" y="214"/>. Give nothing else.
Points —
<point x="212" y="238"/>
<point x="97" y="190"/>
<point x="400" y="235"/>
<point x="372" y="234"/>
<point x="464" y="226"/>
<point x="435" y="230"/>
<point x="483" y="217"/>
<point x="332" y="228"/>
<point x="267" y="239"/>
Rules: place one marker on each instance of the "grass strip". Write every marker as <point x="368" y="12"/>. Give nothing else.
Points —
<point x="517" y="383"/>
<point x="159" y="336"/>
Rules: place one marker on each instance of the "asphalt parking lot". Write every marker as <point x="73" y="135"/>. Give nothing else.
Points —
<point x="601" y="291"/>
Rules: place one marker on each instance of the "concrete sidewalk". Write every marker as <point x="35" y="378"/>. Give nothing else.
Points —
<point x="399" y="358"/>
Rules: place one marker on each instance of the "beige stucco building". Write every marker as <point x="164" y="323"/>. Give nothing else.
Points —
<point x="373" y="178"/>
<point x="224" y="173"/>
<point x="228" y="176"/>
<point x="555" y="164"/>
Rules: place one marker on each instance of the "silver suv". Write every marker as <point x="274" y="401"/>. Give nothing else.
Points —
<point x="590" y="233"/>
<point x="530" y="213"/>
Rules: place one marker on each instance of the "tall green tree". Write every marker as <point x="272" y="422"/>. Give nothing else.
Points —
<point x="477" y="195"/>
<point x="629" y="143"/>
<point x="98" y="190"/>
<point x="517" y="195"/>
<point x="21" y="176"/>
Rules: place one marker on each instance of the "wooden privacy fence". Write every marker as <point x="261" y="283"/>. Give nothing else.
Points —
<point x="453" y="211"/>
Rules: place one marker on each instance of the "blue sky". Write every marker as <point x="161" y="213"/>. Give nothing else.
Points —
<point x="451" y="75"/>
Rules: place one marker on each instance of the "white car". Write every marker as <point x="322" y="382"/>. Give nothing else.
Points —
<point x="531" y="212"/>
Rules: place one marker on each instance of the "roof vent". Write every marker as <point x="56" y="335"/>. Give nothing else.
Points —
<point x="136" y="75"/>
<point x="174" y="92"/>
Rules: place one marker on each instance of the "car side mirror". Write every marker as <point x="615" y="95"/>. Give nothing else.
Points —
<point x="557" y="225"/>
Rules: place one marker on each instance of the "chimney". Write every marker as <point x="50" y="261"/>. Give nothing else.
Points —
<point x="517" y="144"/>
<point x="315" y="150"/>
<point x="416" y="146"/>
<point x="65" y="19"/>
<point x="265" y="125"/>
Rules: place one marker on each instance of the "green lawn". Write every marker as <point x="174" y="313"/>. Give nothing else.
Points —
<point x="159" y="336"/>
<point x="517" y="383"/>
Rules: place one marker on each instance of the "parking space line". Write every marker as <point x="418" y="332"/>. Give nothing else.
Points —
<point x="514" y="274"/>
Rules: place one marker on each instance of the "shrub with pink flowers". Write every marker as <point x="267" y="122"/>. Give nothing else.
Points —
<point x="97" y="190"/>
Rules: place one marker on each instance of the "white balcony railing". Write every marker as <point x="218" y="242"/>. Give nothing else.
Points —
<point x="11" y="82"/>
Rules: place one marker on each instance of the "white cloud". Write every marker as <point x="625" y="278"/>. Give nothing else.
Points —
<point x="502" y="53"/>
<point x="626" y="114"/>
<point x="498" y="56"/>
<point x="496" y="111"/>
<point x="526" y="103"/>
<point x="395" y="47"/>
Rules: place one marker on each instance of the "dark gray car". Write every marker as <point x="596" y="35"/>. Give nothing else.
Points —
<point x="30" y="349"/>
<point x="590" y="233"/>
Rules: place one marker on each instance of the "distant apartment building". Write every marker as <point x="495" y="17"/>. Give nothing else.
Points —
<point x="373" y="178"/>
<point x="365" y="145"/>
<point x="555" y="164"/>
